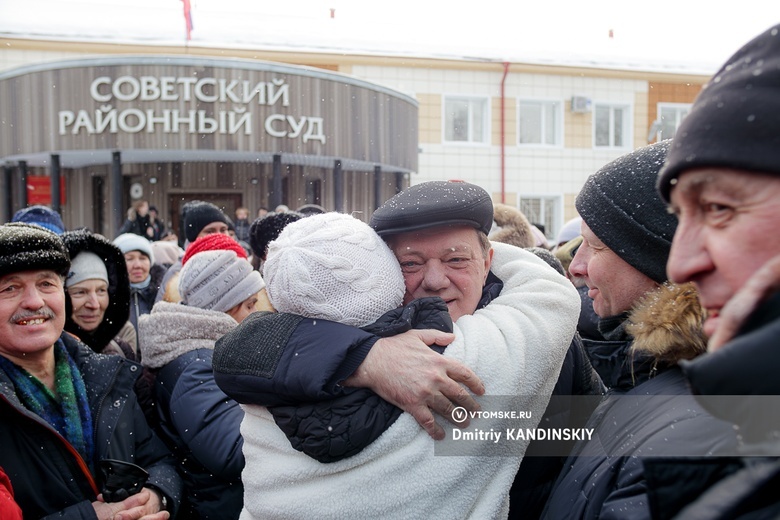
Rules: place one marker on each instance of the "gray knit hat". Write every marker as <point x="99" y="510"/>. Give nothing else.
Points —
<point x="334" y="267"/>
<point x="218" y="280"/>
<point x="620" y="205"/>
<point x="735" y="120"/>
<point x="29" y="247"/>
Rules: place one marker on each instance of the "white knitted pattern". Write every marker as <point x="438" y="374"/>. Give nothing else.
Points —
<point x="333" y="266"/>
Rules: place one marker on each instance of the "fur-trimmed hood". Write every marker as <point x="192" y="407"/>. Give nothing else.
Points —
<point x="118" y="310"/>
<point x="515" y="228"/>
<point x="667" y="324"/>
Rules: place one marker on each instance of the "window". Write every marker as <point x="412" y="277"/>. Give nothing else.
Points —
<point x="465" y="119"/>
<point x="670" y="116"/>
<point x="546" y="210"/>
<point x="611" y="126"/>
<point x="539" y="123"/>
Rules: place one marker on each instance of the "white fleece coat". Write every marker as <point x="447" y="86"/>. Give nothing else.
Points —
<point x="516" y="345"/>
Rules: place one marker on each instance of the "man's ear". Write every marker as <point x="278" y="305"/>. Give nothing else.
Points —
<point x="488" y="263"/>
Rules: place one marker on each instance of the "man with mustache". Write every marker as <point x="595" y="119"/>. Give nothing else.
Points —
<point x="67" y="411"/>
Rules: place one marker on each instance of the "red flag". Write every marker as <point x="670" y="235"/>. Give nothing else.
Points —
<point x="188" y="17"/>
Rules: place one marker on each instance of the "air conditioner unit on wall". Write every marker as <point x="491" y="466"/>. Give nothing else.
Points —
<point x="580" y="104"/>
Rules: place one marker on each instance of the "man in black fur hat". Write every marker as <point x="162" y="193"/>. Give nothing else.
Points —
<point x="67" y="411"/>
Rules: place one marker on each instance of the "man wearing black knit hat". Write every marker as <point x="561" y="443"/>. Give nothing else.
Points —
<point x="722" y="181"/>
<point x="68" y="412"/>
<point x="203" y="218"/>
<point x="648" y="326"/>
<point x="198" y="220"/>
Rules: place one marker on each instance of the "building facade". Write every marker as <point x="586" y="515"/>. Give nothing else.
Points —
<point x="170" y="124"/>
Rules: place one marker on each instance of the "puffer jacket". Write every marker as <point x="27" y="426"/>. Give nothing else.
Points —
<point x="50" y="479"/>
<point x="648" y="412"/>
<point x="118" y="310"/>
<point x="738" y="384"/>
<point x="197" y="420"/>
<point x="332" y="430"/>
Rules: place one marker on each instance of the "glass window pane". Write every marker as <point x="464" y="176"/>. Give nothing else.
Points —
<point x="532" y="209"/>
<point x="551" y="123"/>
<point x="618" y="141"/>
<point x="456" y="120"/>
<point x="478" y="120"/>
<point x="602" y="126"/>
<point x="530" y="123"/>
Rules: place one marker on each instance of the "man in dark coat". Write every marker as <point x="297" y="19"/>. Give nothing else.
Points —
<point x="722" y="180"/>
<point x="68" y="411"/>
<point x="648" y="326"/>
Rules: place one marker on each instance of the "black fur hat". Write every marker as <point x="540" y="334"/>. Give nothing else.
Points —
<point x="29" y="247"/>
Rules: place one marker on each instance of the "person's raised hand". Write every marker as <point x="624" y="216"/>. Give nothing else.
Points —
<point x="404" y="371"/>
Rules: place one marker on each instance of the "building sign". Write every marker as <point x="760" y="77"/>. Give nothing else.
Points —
<point x="231" y="116"/>
<point x="197" y="104"/>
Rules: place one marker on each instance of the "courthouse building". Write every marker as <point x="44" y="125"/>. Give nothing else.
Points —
<point x="107" y="123"/>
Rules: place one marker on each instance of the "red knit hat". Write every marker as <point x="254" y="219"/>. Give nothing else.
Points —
<point x="213" y="242"/>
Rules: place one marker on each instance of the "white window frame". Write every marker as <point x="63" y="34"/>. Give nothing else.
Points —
<point x="485" y="122"/>
<point x="553" y="201"/>
<point x="628" y="137"/>
<point x="678" y="108"/>
<point x="558" y="137"/>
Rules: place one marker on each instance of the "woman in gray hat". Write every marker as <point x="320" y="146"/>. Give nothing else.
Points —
<point x="219" y="288"/>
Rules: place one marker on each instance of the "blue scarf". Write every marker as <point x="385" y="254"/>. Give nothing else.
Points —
<point x="141" y="285"/>
<point x="67" y="411"/>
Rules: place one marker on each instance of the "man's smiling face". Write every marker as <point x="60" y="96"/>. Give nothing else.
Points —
<point x="445" y="261"/>
<point x="32" y="312"/>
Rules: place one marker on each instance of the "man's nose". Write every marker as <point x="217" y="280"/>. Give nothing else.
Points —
<point x="579" y="264"/>
<point x="32" y="298"/>
<point x="435" y="277"/>
<point x="688" y="258"/>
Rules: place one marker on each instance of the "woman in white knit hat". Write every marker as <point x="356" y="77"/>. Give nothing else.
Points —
<point x="97" y="295"/>
<point x="145" y="275"/>
<point x="219" y="288"/>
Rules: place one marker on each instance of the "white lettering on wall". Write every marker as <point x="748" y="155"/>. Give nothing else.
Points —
<point x="210" y="119"/>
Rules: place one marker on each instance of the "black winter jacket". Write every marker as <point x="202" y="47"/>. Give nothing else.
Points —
<point x="648" y="412"/>
<point x="332" y="430"/>
<point x="48" y="476"/>
<point x="738" y="384"/>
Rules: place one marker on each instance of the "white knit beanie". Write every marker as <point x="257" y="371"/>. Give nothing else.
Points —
<point x="86" y="266"/>
<point x="218" y="280"/>
<point x="127" y="242"/>
<point x="333" y="266"/>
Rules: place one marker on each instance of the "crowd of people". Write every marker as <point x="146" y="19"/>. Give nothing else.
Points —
<point x="307" y="364"/>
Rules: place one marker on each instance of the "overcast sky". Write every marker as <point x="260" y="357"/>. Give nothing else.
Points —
<point x="699" y="34"/>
